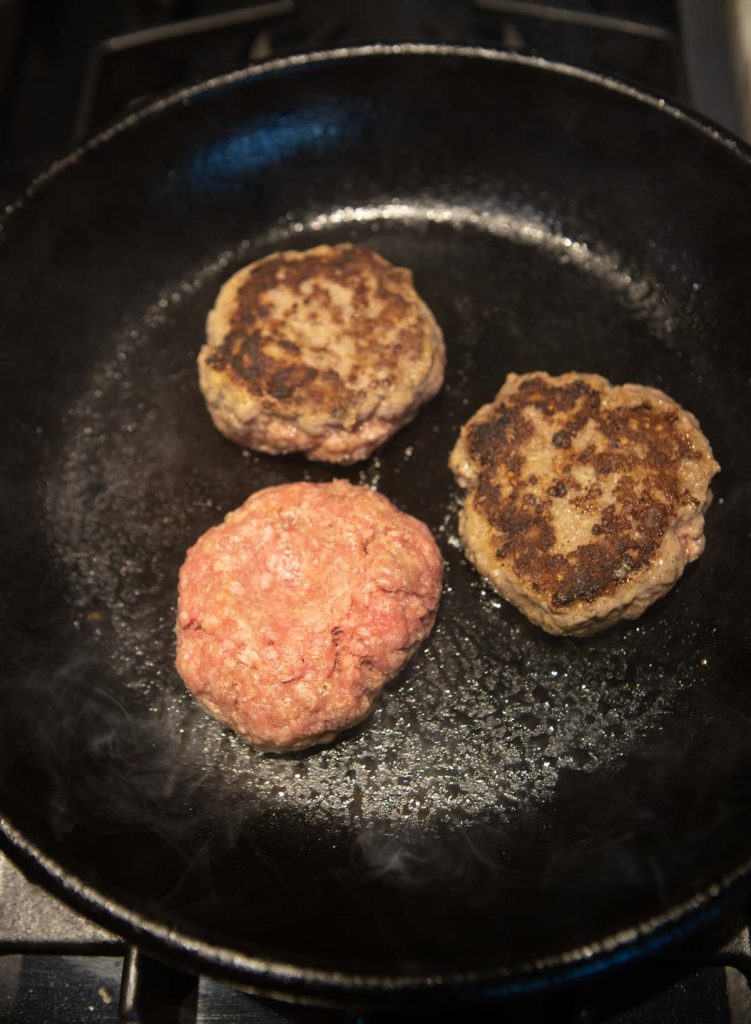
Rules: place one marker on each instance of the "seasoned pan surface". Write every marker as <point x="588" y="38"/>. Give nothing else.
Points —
<point x="517" y="804"/>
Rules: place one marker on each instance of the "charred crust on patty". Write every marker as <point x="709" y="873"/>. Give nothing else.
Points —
<point x="245" y="351"/>
<point x="622" y="464"/>
<point x="334" y="339"/>
<point x="628" y="533"/>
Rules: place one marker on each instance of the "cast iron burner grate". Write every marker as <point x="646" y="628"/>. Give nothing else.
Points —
<point x="128" y="69"/>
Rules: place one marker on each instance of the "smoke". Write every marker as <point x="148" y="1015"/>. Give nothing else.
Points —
<point x="467" y="861"/>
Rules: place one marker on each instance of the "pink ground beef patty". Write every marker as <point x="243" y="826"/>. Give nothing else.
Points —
<point x="294" y="612"/>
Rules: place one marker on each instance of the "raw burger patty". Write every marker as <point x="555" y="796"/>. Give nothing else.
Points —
<point x="584" y="500"/>
<point x="295" y="611"/>
<point x="327" y="352"/>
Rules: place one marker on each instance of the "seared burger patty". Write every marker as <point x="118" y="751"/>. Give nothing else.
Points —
<point x="585" y="500"/>
<point x="295" y="611"/>
<point x="327" y="352"/>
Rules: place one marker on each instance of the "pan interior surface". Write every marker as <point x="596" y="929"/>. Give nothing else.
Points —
<point x="514" y="796"/>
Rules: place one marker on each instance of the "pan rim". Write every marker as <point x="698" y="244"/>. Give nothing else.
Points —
<point x="633" y="943"/>
<point x="629" y="943"/>
<point x="183" y="96"/>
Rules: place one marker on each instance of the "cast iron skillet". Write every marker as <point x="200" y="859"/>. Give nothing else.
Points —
<point x="520" y="809"/>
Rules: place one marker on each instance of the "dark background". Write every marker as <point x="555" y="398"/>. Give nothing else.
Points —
<point x="69" y="66"/>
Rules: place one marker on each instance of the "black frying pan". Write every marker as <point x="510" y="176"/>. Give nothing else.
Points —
<point x="519" y="809"/>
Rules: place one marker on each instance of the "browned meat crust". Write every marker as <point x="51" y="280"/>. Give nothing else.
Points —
<point x="585" y="500"/>
<point x="327" y="351"/>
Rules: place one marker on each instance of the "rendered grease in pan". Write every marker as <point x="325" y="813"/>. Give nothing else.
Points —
<point x="485" y="717"/>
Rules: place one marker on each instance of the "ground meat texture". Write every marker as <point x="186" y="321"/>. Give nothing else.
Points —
<point x="327" y="352"/>
<point x="585" y="500"/>
<point x="294" y="612"/>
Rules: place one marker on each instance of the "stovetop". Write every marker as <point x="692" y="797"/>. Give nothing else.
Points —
<point x="67" y="69"/>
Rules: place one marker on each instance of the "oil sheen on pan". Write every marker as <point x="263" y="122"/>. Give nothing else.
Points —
<point x="502" y="709"/>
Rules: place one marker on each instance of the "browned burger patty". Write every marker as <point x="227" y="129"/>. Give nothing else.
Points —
<point x="585" y="500"/>
<point x="327" y="352"/>
<point x="295" y="610"/>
